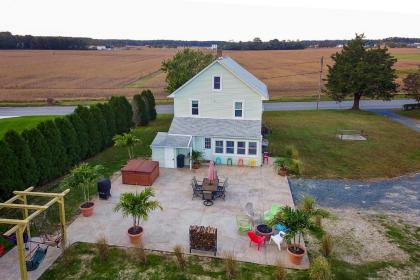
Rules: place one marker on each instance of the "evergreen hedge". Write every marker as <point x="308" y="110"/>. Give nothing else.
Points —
<point x="40" y="151"/>
<point x="140" y="105"/>
<point x="28" y="170"/>
<point x="10" y="178"/>
<point x="150" y="100"/>
<point x="41" y="154"/>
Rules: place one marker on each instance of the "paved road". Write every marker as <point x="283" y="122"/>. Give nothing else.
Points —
<point x="409" y="122"/>
<point x="399" y="194"/>
<point x="168" y="109"/>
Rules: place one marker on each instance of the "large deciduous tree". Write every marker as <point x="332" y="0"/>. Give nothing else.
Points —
<point x="183" y="66"/>
<point x="412" y="85"/>
<point x="360" y="71"/>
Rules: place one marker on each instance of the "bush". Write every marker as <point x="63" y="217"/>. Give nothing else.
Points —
<point x="40" y="152"/>
<point x="28" y="170"/>
<point x="150" y="100"/>
<point x="123" y="113"/>
<point x="140" y="104"/>
<point x="291" y="152"/>
<point x="281" y="272"/>
<point x="326" y="245"/>
<point x="94" y="135"/>
<point x="109" y="117"/>
<point x="230" y="265"/>
<point x="10" y="178"/>
<point x="82" y="134"/>
<point x="100" y="126"/>
<point x="320" y="269"/>
<point x="58" y="153"/>
<point x="179" y="254"/>
<point x="102" y="248"/>
<point x="70" y="141"/>
<point x="293" y="166"/>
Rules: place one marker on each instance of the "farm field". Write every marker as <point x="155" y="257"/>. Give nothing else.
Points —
<point x="31" y="75"/>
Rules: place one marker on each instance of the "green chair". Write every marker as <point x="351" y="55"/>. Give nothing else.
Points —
<point x="243" y="224"/>
<point x="270" y="214"/>
<point x="218" y="161"/>
<point x="229" y="161"/>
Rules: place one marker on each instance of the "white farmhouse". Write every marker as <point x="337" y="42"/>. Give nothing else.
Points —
<point x="218" y="112"/>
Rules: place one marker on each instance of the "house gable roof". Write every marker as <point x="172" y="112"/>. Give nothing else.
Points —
<point x="237" y="70"/>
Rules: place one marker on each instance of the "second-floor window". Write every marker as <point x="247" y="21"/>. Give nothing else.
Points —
<point x="238" y="109"/>
<point x="217" y="83"/>
<point x="194" y="107"/>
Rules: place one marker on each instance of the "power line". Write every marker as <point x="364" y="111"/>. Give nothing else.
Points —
<point x="293" y="75"/>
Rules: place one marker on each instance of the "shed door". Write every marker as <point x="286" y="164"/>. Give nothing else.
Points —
<point x="169" y="157"/>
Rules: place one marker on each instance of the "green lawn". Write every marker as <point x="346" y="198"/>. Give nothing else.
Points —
<point x="391" y="149"/>
<point x="21" y="123"/>
<point x="407" y="56"/>
<point x="415" y="114"/>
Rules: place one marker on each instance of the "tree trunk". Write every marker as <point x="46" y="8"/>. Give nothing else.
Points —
<point x="356" y="102"/>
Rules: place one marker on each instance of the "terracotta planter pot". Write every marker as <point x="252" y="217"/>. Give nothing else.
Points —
<point x="282" y="172"/>
<point x="196" y="165"/>
<point x="87" y="208"/>
<point x="296" y="258"/>
<point x="135" y="234"/>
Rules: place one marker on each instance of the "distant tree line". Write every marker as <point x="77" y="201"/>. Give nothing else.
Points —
<point x="10" y="41"/>
<point x="38" y="155"/>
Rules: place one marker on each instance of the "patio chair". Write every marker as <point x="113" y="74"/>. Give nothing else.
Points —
<point x="218" y="161"/>
<point x="280" y="227"/>
<point x="223" y="183"/>
<point x="197" y="191"/>
<point x="198" y="184"/>
<point x="243" y="224"/>
<point x="270" y="214"/>
<point x="221" y="190"/>
<point x="253" y="238"/>
<point x="250" y="213"/>
<point x="277" y="239"/>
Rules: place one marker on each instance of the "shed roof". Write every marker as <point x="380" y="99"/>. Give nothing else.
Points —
<point x="236" y="69"/>
<point x="226" y="128"/>
<point x="164" y="139"/>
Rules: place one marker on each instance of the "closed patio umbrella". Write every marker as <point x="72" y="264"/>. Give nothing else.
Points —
<point x="212" y="173"/>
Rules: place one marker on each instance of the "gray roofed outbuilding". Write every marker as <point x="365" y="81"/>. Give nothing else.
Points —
<point x="164" y="139"/>
<point x="226" y="128"/>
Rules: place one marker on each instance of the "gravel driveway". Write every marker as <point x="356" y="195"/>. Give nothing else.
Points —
<point x="400" y="195"/>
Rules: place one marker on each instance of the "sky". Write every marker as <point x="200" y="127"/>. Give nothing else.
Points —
<point x="212" y="19"/>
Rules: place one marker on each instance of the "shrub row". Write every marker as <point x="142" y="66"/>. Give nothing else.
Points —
<point x="41" y="154"/>
<point x="144" y="108"/>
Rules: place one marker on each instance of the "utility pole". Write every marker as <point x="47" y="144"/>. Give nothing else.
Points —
<point x="320" y="82"/>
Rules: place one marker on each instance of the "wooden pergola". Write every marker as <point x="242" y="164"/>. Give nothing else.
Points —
<point x="22" y="225"/>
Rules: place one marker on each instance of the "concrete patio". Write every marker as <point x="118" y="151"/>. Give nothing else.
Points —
<point x="167" y="228"/>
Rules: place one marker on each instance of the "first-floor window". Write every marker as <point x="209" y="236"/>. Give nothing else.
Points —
<point x="194" y="107"/>
<point x="230" y="147"/>
<point x="219" y="147"/>
<point x="207" y="143"/>
<point x="252" y="148"/>
<point x="240" y="149"/>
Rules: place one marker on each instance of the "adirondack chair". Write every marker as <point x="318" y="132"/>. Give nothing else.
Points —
<point x="270" y="214"/>
<point x="243" y="224"/>
<point x="277" y="239"/>
<point x="253" y="238"/>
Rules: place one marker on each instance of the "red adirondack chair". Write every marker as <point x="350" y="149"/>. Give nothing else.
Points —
<point x="256" y="239"/>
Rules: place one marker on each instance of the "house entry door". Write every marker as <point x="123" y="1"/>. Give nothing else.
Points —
<point x="207" y="149"/>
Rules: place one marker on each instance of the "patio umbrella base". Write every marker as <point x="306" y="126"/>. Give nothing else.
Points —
<point x="208" y="202"/>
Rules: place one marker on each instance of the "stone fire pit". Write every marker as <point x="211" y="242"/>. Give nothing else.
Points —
<point x="264" y="230"/>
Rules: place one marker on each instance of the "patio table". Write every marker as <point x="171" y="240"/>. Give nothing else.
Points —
<point x="210" y="187"/>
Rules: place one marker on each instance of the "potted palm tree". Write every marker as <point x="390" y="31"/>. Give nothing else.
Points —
<point x="280" y="164"/>
<point x="196" y="157"/>
<point x="138" y="206"/>
<point x="128" y="140"/>
<point x="84" y="176"/>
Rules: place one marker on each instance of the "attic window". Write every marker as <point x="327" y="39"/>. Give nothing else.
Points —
<point x="217" y="83"/>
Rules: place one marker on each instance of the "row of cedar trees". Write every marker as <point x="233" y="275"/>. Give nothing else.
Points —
<point x="41" y="154"/>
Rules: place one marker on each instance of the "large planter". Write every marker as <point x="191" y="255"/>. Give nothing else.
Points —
<point x="282" y="172"/>
<point x="296" y="257"/>
<point x="196" y="165"/>
<point x="87" y="208"/>
<point x="135" y="234"/>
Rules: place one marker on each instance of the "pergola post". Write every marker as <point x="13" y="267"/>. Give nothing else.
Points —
<point x="25" y="215"/>
<point x="63" y="222"/>
<point x="21" y="251"/>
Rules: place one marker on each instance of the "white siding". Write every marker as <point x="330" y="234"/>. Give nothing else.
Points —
<point x="158" y="154"/>
<point x="218" y="104"/>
